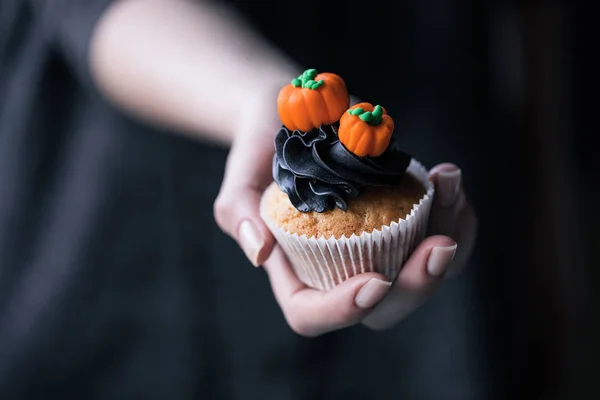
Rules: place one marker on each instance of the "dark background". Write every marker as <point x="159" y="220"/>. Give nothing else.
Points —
<point x="117" y="283"/>
<point x="499" y="89"/>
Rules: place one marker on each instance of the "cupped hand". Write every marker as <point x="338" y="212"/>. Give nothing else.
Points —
<point x="452" y="231"/>
<point x="368" y="298"/>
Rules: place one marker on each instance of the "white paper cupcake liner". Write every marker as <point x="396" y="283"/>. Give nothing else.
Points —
<point x="324" y="263"/>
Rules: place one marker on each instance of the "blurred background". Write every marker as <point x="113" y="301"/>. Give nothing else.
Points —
<point x="496" y="87"/>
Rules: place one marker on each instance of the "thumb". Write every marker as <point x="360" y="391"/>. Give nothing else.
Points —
<point x="247" y="173"/>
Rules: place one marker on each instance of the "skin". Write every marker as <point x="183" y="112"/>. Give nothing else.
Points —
<point x="199" y="70"/>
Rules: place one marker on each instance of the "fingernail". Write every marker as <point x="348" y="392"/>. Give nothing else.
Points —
<point x="448" y="185"/>
<point x="439" y="259"/>
<point x="372" y="293"/>
<point x="250" y="240"/>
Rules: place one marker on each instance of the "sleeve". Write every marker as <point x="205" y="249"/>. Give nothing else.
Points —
<point x="71" y="24"/>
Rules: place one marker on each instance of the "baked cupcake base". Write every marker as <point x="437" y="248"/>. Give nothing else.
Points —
<point x="376" y="234"/>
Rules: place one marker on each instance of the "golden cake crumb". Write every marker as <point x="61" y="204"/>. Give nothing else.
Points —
<point x="375" y="207"/>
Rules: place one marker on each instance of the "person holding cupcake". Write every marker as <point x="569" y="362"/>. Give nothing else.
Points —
<point x="116" y="279"/>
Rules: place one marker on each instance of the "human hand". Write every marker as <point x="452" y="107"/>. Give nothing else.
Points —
<point x="311" y="312"/>
<point x="369" y="298"/>
<point x="248" y="172"/>
<point x="452" y="231"/>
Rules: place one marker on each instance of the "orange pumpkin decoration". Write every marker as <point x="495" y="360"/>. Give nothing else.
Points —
<point x="366" y="130"/>
<point x="311" y="100"/>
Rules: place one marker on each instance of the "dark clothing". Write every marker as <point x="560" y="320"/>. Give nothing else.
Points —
<point x="115" y="281"/>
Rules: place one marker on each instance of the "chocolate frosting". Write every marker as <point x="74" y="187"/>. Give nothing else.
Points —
<point x="318" y="173"/>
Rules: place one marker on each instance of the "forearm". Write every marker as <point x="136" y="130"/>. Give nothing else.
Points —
<point x="184" y="65"/>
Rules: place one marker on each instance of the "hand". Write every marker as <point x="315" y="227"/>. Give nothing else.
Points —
<point x="311" y="312"/>
<point x="369" y="298"/>
<point x="248" y="172"/>
<point x="452" y="230"/>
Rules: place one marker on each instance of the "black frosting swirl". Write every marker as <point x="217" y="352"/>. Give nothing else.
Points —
<point x="317" y="172"/>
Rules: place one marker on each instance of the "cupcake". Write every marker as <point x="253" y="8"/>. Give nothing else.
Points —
<point x="345" y="198"/>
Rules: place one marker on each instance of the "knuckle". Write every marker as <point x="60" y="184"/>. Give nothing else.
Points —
<point x="299" y="327"/>
<point x="344" y="316"/>
<point x="221" y="210"/>
<point x="415" y="282"/>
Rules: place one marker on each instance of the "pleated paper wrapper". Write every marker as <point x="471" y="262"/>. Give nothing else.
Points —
<point x="324" y="263"/>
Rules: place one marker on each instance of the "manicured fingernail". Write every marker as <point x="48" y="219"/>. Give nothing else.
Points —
<point x="372" y="293"/>
<point x="448" y="186"/>
<point x="439" y="259"/>
<point x="251" y="241"/>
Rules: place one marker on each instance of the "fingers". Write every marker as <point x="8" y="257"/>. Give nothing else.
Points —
<point x="448" y="200"/>
<point x="247" y="173"/>
<point x="311" y="312"/>
<point x="420" y="276"/>
<point x="448" y="181"/>
<point x="465" y="234"/>
<point x="451" y="214"/>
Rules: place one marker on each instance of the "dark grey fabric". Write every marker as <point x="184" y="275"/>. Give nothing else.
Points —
<point x="115" y="282"/>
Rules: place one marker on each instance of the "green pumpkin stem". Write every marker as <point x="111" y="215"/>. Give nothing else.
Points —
<point x="307" y="80"/>
<point x="377" y="114"/>
<point x="367" y="117"/>
<point x="370" y="117"/>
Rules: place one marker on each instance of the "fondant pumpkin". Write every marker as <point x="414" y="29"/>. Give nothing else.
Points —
<point x="311" y="100"/>
<point x="366" y="130"/>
